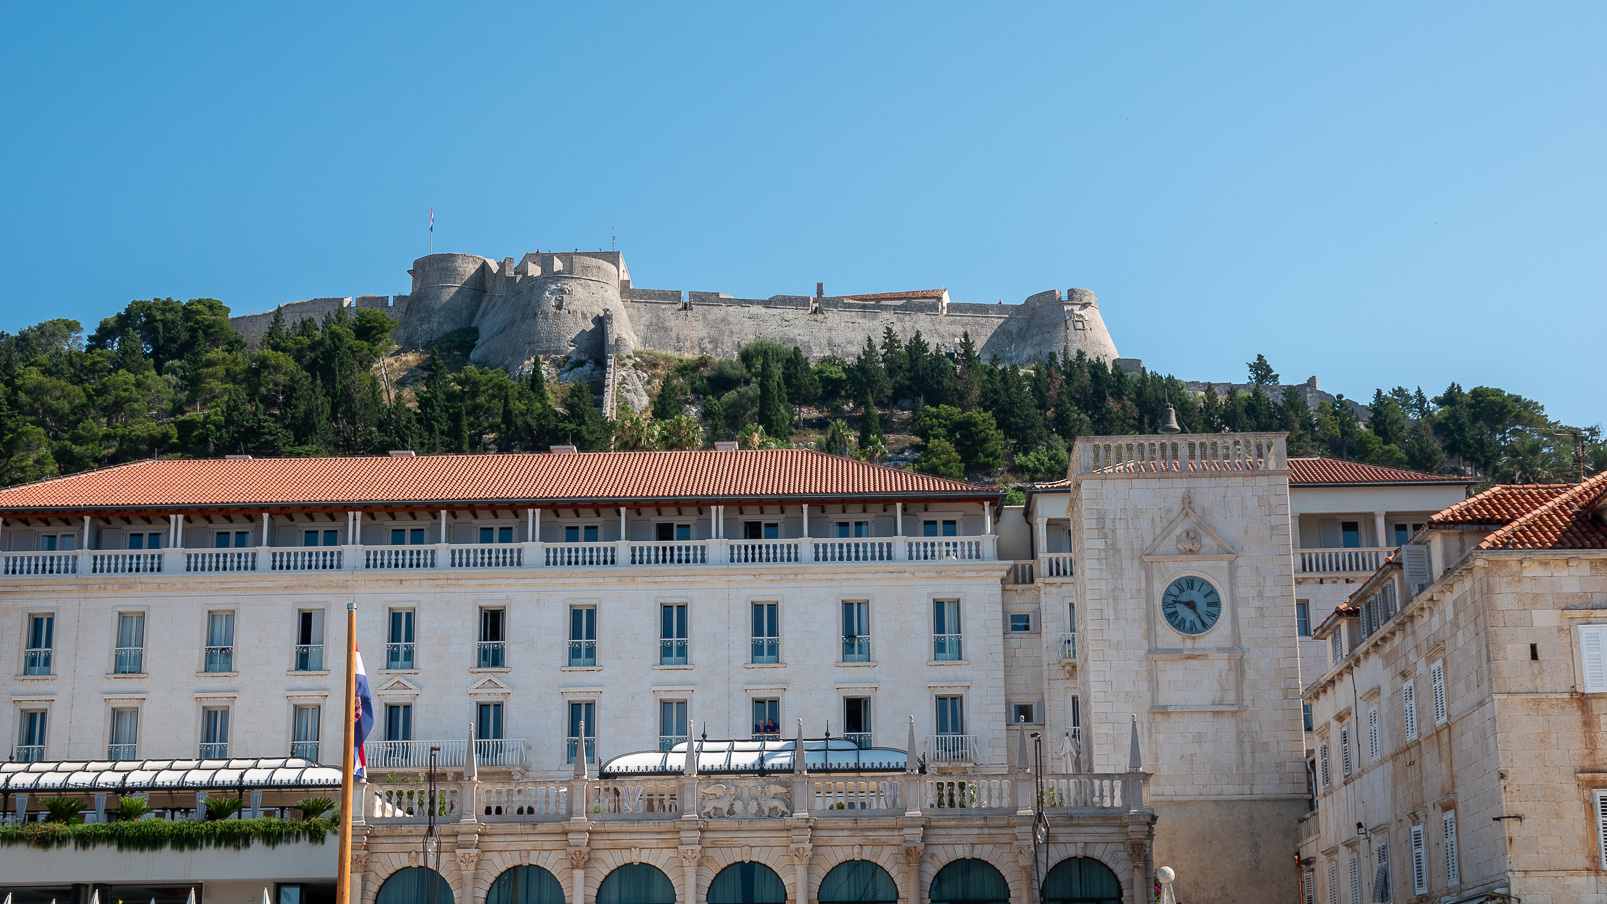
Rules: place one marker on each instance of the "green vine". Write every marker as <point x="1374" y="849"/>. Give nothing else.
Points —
<point x="163" y="835"/>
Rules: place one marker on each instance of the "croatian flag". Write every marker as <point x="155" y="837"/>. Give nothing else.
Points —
<point x="362" y="714"/>
<point x="432" y="220"/>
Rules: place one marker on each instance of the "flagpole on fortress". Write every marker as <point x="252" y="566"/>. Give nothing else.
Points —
<point x="343" y="875"/>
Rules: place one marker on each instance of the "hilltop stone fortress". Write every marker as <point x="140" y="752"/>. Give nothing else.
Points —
<point x="583" y="305"/>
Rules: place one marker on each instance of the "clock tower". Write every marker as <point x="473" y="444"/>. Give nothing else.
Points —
<point x="1184" y="593"/>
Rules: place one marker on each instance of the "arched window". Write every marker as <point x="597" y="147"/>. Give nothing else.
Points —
<point x="747" y="883"/>
<point x="525" y="885"/>
<point x="1081" y="880"/>
<point x="411" y="885"/>
<point x="636" y="883"/>
<point x="858" y="882"/>
<point x="969" y="882"/>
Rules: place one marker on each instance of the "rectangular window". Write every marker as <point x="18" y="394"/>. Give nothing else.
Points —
<point x="761" y="530"/>
<point x="1336" y="644"/>
<point x="1355" y="877"/>
<point x="1344" y="750"/>
<point x="310" y="640"/>
<point x="950" y="716"/>
<point x="1419" y="863"/>
<point x="1375" y="743"/>
<point x="1453" y="858"/>
<point x="582" y="636"/>
<point x="407" y="536"/>
<point x="31" y="737"/>
<point x="947" y="527"/>
<point x="1333" y="882"/>
<point x="399" y="722"/>
<point x="1305" y="715"/>
<point x="496" y="535"/>
<point x="129" y="658"/>
<point x="1020" y="623"/>
<point x="41" y="644"/>
<point x="399" y="647"/>
<point x="856" y="720"/>
<point x="224" y="539"/>
<point x="1409" y="706"/>
<point x="1600" y="800"/>
<point x="58" y="542"/>
<point x="766" y="639"/>
<point x="304" y="732"/>
<point x="767" y="718"/>
<point x="125" y="734"/>
<point x="1021" y="713"/>
<point x="671" y="723"/>
<point x="215" y="733"/>
<point x="582" y="718"/>
<point x="847" y="530"/>
<point x="856" y="631"/>
<point x="488" y="722"/>
<point x="313" y="537"/>
<point x="1381" y="872"/>
<point x="946" y="630"/>
<point x="669" y="532"/>
<point x="580" y="533"/>
<point x="1436" y="677"/>
<point x="219" y="642"/>
<point x="147" y="540"/>
<point x="1302" y="618"/>
<point x="493" y="644"/>
<point x="1322" y="766"/>
<point x="1593" y="657"/>
<point x="672" y="634"/>
<point x="1350" y="534"/>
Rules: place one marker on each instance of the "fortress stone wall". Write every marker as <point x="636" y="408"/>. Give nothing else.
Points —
<point x="583" y="304"/>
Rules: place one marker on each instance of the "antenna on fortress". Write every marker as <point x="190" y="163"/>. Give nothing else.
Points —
<point x="612" y="238"/>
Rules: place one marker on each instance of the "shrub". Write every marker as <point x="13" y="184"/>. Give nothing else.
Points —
<point x="222" y="807"/>
<point x="314" y="807"/>
<point x="61" y="809"/>
<point x="131" y="808"/>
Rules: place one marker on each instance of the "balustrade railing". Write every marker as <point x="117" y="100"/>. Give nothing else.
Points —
<point x="1362" y="560"/>
<point x="969" y="792"/>
<point x="415" y="754"/>
<point x="946" y="647"/>
<point x="28" y="753"/>
<point x="306" y="749"/>
<point x="670" y="552"/>
<point x="763" y="552"/>
<point x="569" y="555"/>
<point x="1054" y="566"/>
<point x="856" y="648"/>
<point x="854" y="798"/>
<point x="487" y="555"/>
<point x="207" y="561"/>
<point x="214" y="750"/>
<point x="961" y="549"/>
<point x="766" y="650"/>
<point x="125" y="562"/>
<point x="398" y="558"/>
<point x="40" y="563"/>
<point x="854" y="551"/>
<point x="306" y="559"/>
<point x="119" y="752"/>
<point x="509" y="752"/>
<point x="510" y="800"/>
<point x="1157" y="453"/>
<point x="951" y="748"/>
<point x="860" y="739"/>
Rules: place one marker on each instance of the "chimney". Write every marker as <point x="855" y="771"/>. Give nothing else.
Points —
<point x="725" y="447"/>
<point x="403" y="453"/>
<point x="564" y="450"/>
<point x="820" y="290"/>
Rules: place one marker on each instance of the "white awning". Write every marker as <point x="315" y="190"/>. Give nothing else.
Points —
<point x="756" y="757"/>
<point x="287" y="773"/>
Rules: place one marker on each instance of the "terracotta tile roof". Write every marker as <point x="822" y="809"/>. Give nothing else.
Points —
<point x="1566" y="521"/>
<point x="918" y="293"/>
<point x="584" y="477"/>
<point x="1319" y="471"/>
<point x="1500" y="505"/>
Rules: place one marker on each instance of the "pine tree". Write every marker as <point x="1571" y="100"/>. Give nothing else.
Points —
<point x="870" y="426"/>
<point x="775" y="415"/>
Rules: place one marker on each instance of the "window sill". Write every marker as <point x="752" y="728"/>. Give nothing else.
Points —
<point x="217" y="674"/>
<point x="674" y="668"/>
<point x="501" y="670"/>
<point x="944" y="662"/>
<point x="116" y="675"/>
<point x="764" y="665"/>
<point x="580" y="668"/>
<point x="380" y="672"/>
<point x="297" y="673"/>
<point x="50" y="677"/>
<point x="858" y="665"/>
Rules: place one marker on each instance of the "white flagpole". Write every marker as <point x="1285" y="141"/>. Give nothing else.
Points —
<point x="343" y="869"/>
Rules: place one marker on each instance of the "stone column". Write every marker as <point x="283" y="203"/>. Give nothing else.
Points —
<point x="912" y="868"/>
<point x="800" y="856"/>
<point x="577" y="875"/>
<point x="690" y="855"/>
<point x="1379" y="527"/>
<point x="468" y="862"/>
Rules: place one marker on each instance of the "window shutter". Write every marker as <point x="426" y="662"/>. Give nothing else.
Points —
<point x="1322" y="756"/>
<point x="1409" y="702"/>
<point x="1593" y="657"/>
<point x="1336" y="644"/>
<point x="1419" y="863"/>
<point x="1344" y="750"/>
<point x="1375" y="750"/>
<point x="1414" y="562"/>
<point x="1310" y="896"/>
<point x="1453" y="860"/>
<point x="1601" y="826"/>
<point x="1355" y="877"/>
<point x="1333" y="882"/>
<point x="1436" y="673"/>
<point x="1381" y="876"/>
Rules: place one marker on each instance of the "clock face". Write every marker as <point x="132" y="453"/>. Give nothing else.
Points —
<point x="1191" y="605"/>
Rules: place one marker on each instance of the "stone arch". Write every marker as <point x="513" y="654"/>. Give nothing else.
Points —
<point x="729" y="880"/>
<point x="381" y="866"/>
<point x="1083" y="880"/>
<point x="532" y="879"/>
<point x="605" y="861"/>
<point x="407" y="884"/>
<point x="643" y="873"/>
<point x="1001" y="857"/>
<point x="716" y="859"/>
<point x="1111" y="853"/>
<point x="868" y="864"/>
<point x="888" y="857"/>
<point x="494" y="863"/>
<point x="981" y="872"/>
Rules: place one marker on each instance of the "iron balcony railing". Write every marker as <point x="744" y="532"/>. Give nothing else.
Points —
<point x="307" y="749"/>
<point x="951" y="748"/>
<point x="860" y="739"/>
<point x="310" y="657"/>
<point x="120" y="751"/>
<point x="569" y="749"/>
<point x="666" y="742"/>
<point x="493" y="654"/>
<point x="856" y="648"/>
<point x="215" y="750"/>
<point x="399" y="655"/>
<point x="36" y="661"/>
<point x="128" y="661"/>
<point x="1068" y="645"/>
<point x="766" y="650"/>
<point x="220" y="659"/>
<point x="582" y="653"/>
<point x="672" y="651"/>
<point x="946" y="647"/>
<point x="28" y="753"/>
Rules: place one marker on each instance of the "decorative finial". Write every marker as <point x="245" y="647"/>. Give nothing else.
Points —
<point x="1135" y="761"/>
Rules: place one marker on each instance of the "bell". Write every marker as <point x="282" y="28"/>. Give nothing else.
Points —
<point x="1169" y="421"/>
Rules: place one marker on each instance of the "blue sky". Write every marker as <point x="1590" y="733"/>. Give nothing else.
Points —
<point x="1369" y="193"/>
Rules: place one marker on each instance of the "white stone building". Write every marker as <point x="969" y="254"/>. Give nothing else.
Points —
<point x="1458" y="751"/>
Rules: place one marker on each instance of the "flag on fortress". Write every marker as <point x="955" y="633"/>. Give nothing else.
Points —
<point x="432" y="220"/>
<point x="363" y="715"/>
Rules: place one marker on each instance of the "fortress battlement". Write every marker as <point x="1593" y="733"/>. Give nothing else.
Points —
<point x="583" y="303"/>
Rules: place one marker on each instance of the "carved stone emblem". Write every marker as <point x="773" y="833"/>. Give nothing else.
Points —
<point x="721" y="801"/>
<point x="1188" y="541"/>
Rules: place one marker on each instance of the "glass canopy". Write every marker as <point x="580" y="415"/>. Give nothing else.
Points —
<point x="167" y="775"/>
<point x="763" y="757"/>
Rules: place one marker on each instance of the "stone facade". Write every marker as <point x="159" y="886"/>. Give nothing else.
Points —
<point x="555" y="304"/>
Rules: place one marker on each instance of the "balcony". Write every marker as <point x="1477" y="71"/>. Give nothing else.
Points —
<point x="36" y="661"/>
<point x="951" y="749"/>
<point x="860" y="739"/>
<point x="1055" y="566"/>
<point x="305" y="749"/>
<point x="491" y="654"/>
<point x="1355" y="561"/>
<point x="28" y="753"/>
<point x="214" y="750"/>
<point x="667" y="742"/>
<point x="766" y="650"/>
<point x="504" y="556"/>
<point x="582" y="654"/>
<point x="119" y="752"/>
<point x="856" y="648"/>
<point x="489" y="752"/>
<point x="219" y="659"/>
<point x="672" y="651"/>
<point x="128" y="661"/>
<point x="571" y="744"/>
<point x="399" y="655"/>
<point x="1066" y="646"/>
<point x="310" y="657"/>
<point x="946" y="647"/>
